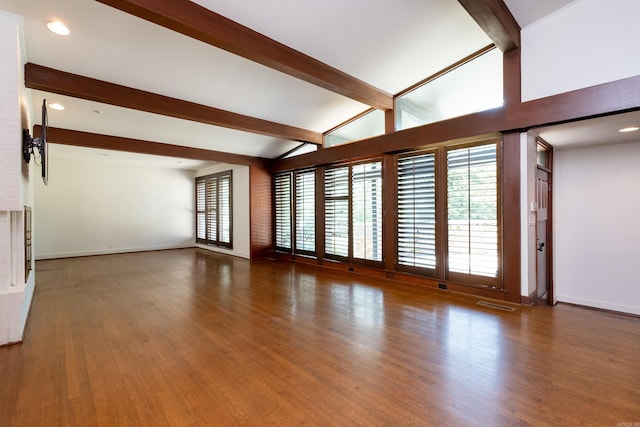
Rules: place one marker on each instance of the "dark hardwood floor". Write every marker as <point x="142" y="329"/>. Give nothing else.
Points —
<point x="192" y="338"/>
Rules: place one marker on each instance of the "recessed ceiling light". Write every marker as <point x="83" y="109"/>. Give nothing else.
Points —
<point x="57" y="106"/>
<point x="629" y="129"/>
<point x="58" y="27"/>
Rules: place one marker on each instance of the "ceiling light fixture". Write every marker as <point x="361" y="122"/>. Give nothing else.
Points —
<point x="629" y="129"/>
<point x="58" y="27"/>
<point x="56" y="106"/>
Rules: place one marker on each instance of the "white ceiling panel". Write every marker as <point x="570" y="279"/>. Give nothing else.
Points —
<point x="597" y="131"/>
<point x="81" y="115"/>
<point x="82" y="153"/>
<point x="527" y="12"/>
<point x="388" y="44"/>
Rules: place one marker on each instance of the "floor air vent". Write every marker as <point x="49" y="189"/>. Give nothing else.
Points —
<point x="496" y="306"/>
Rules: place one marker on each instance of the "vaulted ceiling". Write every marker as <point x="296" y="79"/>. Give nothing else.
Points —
<point x="250" y="78"/>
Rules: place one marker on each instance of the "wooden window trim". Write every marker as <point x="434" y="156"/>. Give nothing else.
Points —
<point x="217" y="240"/>
<point x="441" y="213"/>
<point x="293" y="214"/>
<point x="472" y="279"/>
<point x="294" y="218"/>
<point x="421" y="271"/>
<point x="289" y="176"/>
<point x="350" y="258"/>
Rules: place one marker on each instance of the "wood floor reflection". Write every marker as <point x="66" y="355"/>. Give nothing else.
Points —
<point x="190" y="338"/>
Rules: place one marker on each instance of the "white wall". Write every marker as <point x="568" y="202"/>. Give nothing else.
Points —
<point x="528" y="253"/>
<point x="597" y="206"/>
<point x="11" y="83"/>
<point x="99" y="206"/>
<point x="589" y="42"/>
<point x="16" y="186"/>
<point x="241" y="209"/>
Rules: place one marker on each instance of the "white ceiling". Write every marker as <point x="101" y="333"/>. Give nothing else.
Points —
<point x="526" y="12"/>
<point x="388" y="44"/>
<point x="602" y="130"/>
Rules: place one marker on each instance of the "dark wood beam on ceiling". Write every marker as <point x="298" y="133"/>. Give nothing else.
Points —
<point x="599" y="100"/>
<point x="485" y="123"/>
<point x="60" y="82"/>
<point x="496" y="21"/>
<point x="605" y="99"/>
<point x="117" y="143"/>
<point x="195" y="21"/>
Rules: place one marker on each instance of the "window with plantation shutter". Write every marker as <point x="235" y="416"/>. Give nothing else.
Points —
<point x="224" y="209"/>
<point x="295" y="212"/>
<point x="417" y="211"/>
<point x="214" y="221"/>
<point x="472" y="210"/>
<point x="366" y="210"/>
<point x="353" y="211"/>
<point x="201" y="215"/>
<point x="305" y="214"/>
<point x="336" y="187"/>
<point x="211" y="201"/>
<point x="282" y="195"/>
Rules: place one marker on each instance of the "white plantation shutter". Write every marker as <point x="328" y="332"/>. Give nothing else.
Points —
<point x="472" y="206"/>
<point x="336" y="185"/>
<point x="417" y="211"/>
<point x="305" y="215"/>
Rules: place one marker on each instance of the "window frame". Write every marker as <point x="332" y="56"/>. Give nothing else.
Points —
<point x="294" y="206"/>
<point x="285" y="211"/>
<point x="441" y="187"/>
<point x="351" y="258"/>
<point x="292" y="176"/>
<point x="437" y="188"/>
<point x="469" y="278"/>
<point x="400" y="96"/>
<point x="216" y="179"/>
<point x="337" y="198"/>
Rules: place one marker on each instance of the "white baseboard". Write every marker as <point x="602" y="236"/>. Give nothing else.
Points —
<point x="74" y="254"/>
<point x="224" y="251"/>
<point x="600" y="304"/>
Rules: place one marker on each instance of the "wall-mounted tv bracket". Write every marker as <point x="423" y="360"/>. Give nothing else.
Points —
<point x="29" y="144"/>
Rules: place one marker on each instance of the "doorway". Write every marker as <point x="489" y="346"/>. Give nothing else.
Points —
<point x="544" y="231"/>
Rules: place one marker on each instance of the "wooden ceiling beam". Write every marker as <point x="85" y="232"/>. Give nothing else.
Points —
<point x="594" y="101"/>
<point x="60" y="82"/>
<point x="604" y="99"/>
<point x="496" y="21"/>
<point x="193" y="20"/>
<point x="484" y="124"/>
<point x="117" y="143"/>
